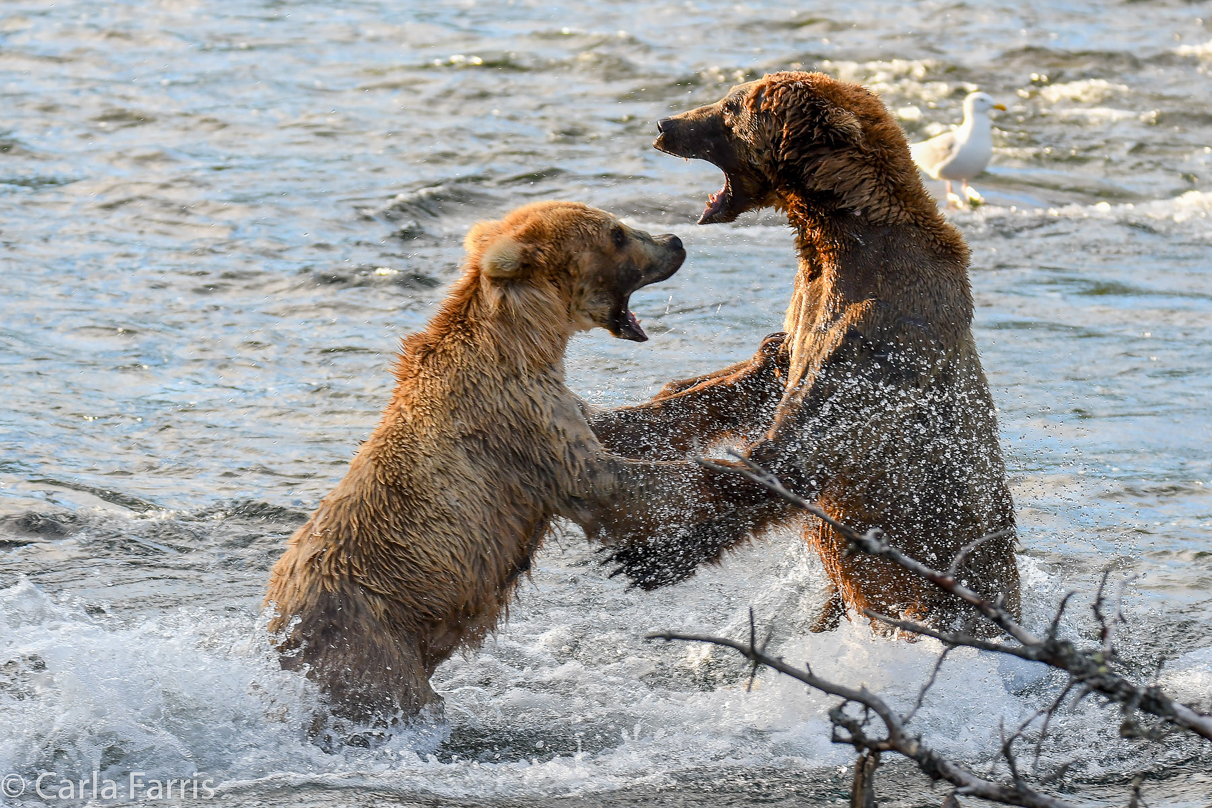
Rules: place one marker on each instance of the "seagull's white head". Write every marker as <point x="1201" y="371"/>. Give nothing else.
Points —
<point x="980" y="102"/>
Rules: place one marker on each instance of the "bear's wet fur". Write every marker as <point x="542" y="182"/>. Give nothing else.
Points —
<point x="417" y="551"/>
<point x="873" y="403"/>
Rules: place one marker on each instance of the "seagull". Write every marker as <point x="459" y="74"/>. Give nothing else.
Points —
<point x="962" y="153"/>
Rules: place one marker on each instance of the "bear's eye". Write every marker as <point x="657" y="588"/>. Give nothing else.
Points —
<point x="619" y="236"/>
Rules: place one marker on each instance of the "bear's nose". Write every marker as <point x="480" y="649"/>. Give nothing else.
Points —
<point x="670" y="242"/>
<point x="662" y="123"/>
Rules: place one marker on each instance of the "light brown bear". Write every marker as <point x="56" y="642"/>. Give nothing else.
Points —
<point x="873" y="403"/>
<point x="417" y="551"/>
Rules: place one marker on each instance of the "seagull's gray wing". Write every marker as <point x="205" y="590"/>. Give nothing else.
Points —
<point x="935" y="152"/>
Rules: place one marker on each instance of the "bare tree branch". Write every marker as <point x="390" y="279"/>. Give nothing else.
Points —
<point x="1105" y="630"/>
<point x="972" y="545"/>
<point x="1091" y="669"/>
<point x="1137" y="801"/>
<point x="849" y="730"/>
<point x="1054" y="629"/>
<point x="875" y="543"/>
<point x="921" y="694"/>
<point x="1048" y="713"/>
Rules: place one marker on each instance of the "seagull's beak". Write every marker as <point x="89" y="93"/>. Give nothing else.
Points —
<point x="1002" y="107"/>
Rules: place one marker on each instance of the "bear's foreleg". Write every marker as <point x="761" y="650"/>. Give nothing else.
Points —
<point x="737" y="402"/>
<point x="773" y="346"/>
<point x="663" y="519"/>
<point x="831" y="424"/>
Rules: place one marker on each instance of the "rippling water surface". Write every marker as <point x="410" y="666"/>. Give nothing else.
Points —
<point x="217" y="220"/>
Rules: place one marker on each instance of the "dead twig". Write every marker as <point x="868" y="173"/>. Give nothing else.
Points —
<point x="849" y="730"/>
<point x="921" y="694"/>
<point x="972" y="545"/>
<point x="1048" y="713"/>
<point x="1091" y="669"/>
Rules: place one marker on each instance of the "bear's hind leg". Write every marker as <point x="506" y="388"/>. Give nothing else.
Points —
<point x="370" y="673"/>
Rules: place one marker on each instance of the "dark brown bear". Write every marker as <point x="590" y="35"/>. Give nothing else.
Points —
<point x="874" y="402"/>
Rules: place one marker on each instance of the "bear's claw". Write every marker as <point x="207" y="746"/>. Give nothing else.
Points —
<point x="654" y="564"/>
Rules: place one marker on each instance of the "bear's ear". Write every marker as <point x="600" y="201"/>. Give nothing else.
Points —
<point x="505" y="258"/>
<point x="844" y="124"/>
<point x="809" y="120"/>
<point x="756" y="98"/>
<point x="480" y="234"/>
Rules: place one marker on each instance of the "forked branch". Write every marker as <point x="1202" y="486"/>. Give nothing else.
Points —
<point x="1092" y="669"/>
<point x="849" y="730"/>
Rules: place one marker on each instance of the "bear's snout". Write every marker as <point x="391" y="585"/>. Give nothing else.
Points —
<point x="677" y="136"/>
<point x="670" y="242"/>
<point x="668" y="259"/>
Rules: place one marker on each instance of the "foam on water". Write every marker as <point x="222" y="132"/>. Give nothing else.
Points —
<point x="895" y="78"/>
<point x="1191" y="211"/>
<point x="566" y="699"/>
<point x="1201" y="51"/>
<point x="1092" y="91"/>
<point x="1189" y="678"/>
<point x="190" y="691"/>
<point x="1099" y="115"/>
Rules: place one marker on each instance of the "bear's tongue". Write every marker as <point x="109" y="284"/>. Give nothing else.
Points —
<point x="629" y="327"/>
<point x="715" y="204"/>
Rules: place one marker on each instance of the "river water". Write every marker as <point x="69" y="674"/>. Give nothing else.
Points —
<point x="219" y="218"/>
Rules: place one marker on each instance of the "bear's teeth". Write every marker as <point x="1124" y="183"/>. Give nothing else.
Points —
<point x="634" y="322"/>
<point x="716" y="200"/>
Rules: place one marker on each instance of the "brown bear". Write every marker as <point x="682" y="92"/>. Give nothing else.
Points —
<point x="417" y="551"/>
<point x="873" y="403"/>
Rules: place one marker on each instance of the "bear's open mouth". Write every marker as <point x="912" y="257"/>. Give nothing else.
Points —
<point x="629" y="326"/>
<point x="668" y="258"/>
<point x="718" y="204"/>
<point x="723" y="206"/>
